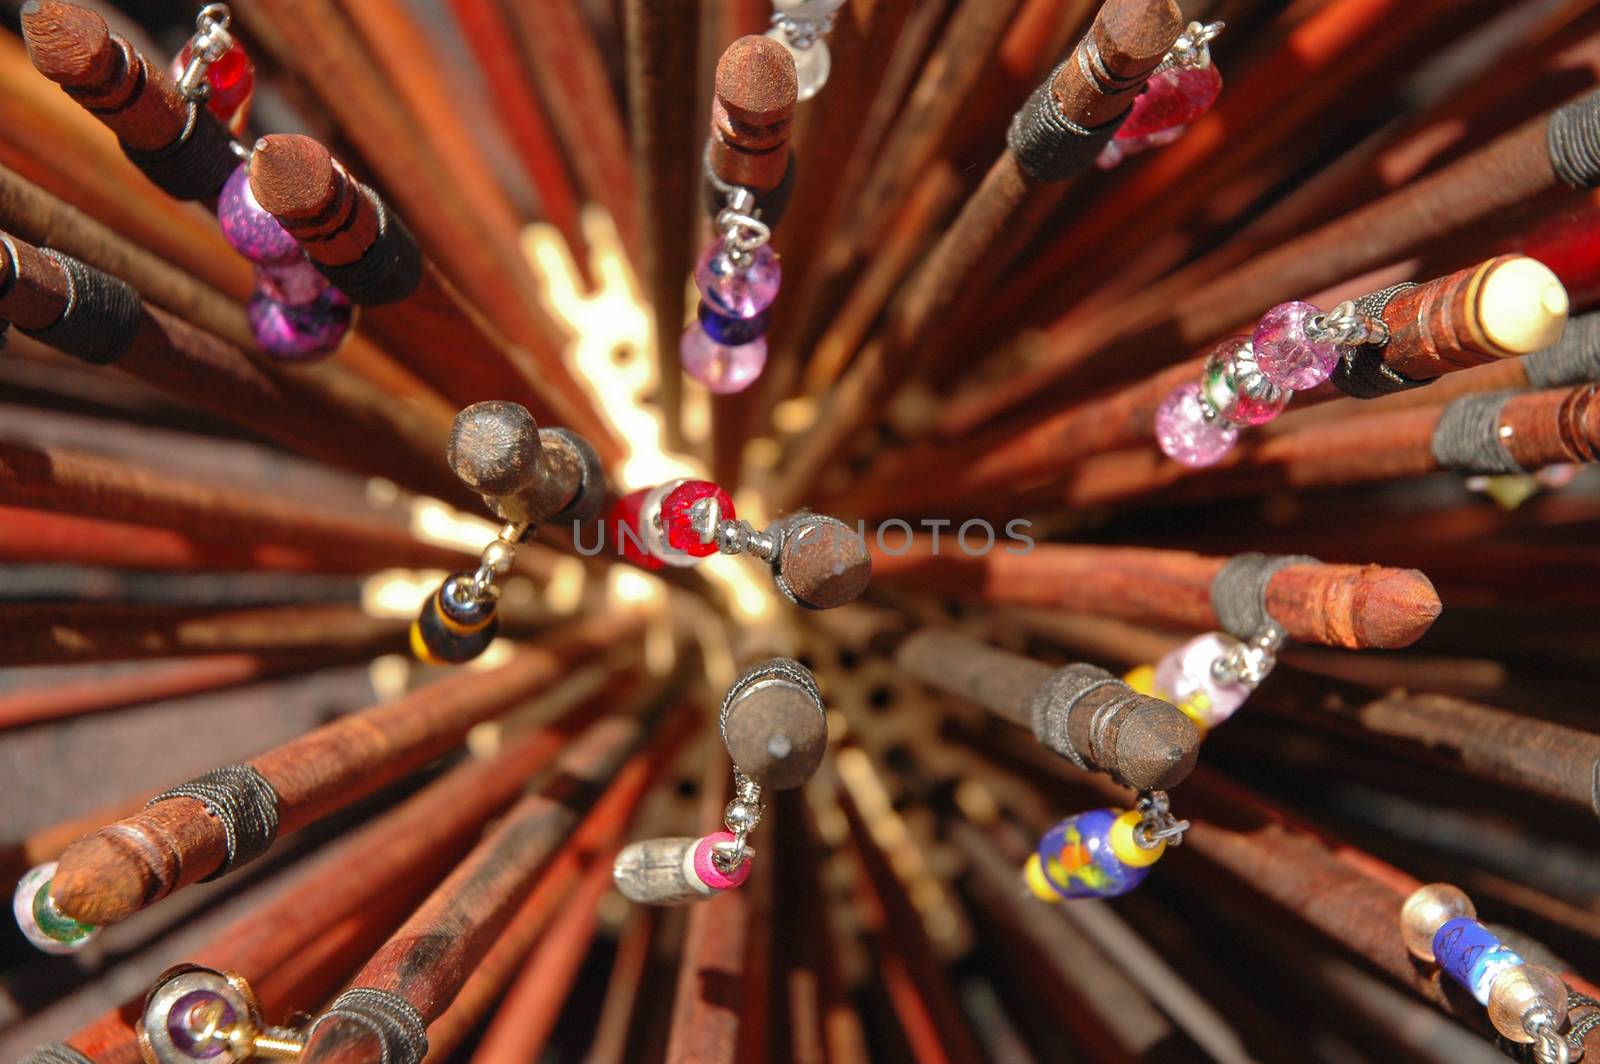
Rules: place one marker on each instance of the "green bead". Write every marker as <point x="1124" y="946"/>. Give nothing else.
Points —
<point x="55" y="923"/>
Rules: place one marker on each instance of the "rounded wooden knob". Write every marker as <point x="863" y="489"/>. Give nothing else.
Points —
<point x="823" y="562"/>
<point x="773" y="724"/>
<point x="494" y="447"/>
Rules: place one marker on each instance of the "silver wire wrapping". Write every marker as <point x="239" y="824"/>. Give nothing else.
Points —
<point x="243" y="802"/>
<point x="1049" y="146"/>
<point x="54" y="1053"/>
<point x="740" y="817"/>
<point x="391" y="269"/>
<point x="1467" y="438"/>
<point x="1239" y="591"/>
<point x="401" y="1031"/>
<point x="102" y="315"/>
<point x="1573" y="359"/>
<point x="1157" y="825"/>
<point x="1573" y="141"/>
<point x="1361" y="372"/>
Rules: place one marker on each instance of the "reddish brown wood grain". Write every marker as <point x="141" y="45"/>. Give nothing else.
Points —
<point x="129" y="865"/>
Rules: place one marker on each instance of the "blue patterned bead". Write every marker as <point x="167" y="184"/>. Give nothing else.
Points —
<point x="1470" y="954"/>
<point x="1078" y="860"/>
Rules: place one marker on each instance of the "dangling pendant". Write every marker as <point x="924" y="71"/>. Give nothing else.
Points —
<point x="1181" y="90"/>
<point x="1102" y="853"/>
<point x="225" y="69"/>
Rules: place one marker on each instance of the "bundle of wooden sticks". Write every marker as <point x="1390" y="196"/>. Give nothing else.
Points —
<point x="800" y="530"/>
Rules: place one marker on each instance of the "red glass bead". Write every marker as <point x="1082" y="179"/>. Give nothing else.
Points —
<point x="676" y="521"/>
<point x="1175" y="97"/>
<point x="233" y="84"/>
<point x="627" y="530"/>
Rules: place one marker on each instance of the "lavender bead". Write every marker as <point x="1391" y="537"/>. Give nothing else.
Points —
<point x="296" y="334"/>
<point x="1288" y="357"/>
<point x="738" y="292"/>
<point x="249" y="229"/>
<point x="722" y="368"/>
<point x="294" y="284"/>
<point x="1184" y="676"/>
<point x="1185" y="433"/>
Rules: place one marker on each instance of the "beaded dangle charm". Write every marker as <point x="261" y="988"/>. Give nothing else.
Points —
<point x="213" y="65"/>
<point x="194" y="1014"/>
<point x="46" y="927"/>
<point x="1211" y="675"/>
<point x="526" y="475"/>
<point x="817" y="561"/>
<point x="799" y="26"/>
<point x="1248" y="380"/>
<point x="1182" y="89"/>
<point x="1104" y="852"/>
<point x="776" y="730"/>
<point x="725" y="347"/>
<point x="1527" y="1003"/>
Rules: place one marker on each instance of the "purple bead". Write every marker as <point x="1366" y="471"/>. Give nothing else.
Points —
<point x="1184" y="432"/>
<point x="1285" y="354"/>
<point x="294" y="284"/>
<point x="195" y="1014"/>
<point x="296" y="334"/>
<point x="249" y="229"/>
<point x="733" y="331"/>
<point x="734" y="291"/>
<point x="721" y="368"/>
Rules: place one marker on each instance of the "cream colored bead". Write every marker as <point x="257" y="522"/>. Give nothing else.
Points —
<point x="1518" y="991"/>
<point x="1428" y="909"/>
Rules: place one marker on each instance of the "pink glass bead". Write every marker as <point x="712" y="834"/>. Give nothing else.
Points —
<point x="248" y="228"/>
<point x="1175" y="97"/>
<point x="707" y="869"/>
<point x="1119" y="149"/>
<point x="1184" y="676"/>
<point x="294" y="284"/>
<point x="677" y="523"/>
<point x="1285" y="354"/>
<point x="1184" y="433"/>
<point x="296" y="334"/>
<point x="739" y="292"/>
<point x="722" y="368"/>
<point x="1237" y="389"/>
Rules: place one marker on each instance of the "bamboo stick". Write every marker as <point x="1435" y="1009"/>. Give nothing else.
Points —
<point x="103" y="879"/>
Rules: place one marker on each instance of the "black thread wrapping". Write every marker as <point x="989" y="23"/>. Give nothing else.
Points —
<point x="53" y="1053"/>
<point x="197" y="164"/>
<point x="1467" y="438"/>
<point x="390" y="270"/>
<point x="1361" y="373"/>
<point x="769" y="207"/>
<point x="1052" y="702"/>
<point x="1047" y="145"/>
<point x="591" y="495"/>
<point x="1573" y="140"/>
<point x="1573" y="359"/>
<point x="243" y="801"/>
<point x="1239" y="591"/>
<point x="400" y="1029"/>
<point x="101" y="318"/>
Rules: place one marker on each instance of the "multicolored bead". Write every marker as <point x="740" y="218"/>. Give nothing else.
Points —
<point x="454" y="626"/>
<point x="1286" y="353"/>
<point x="734" y="290"/>
<point x="300" y="333"/>
<point x="723" y="368"/>
<point x="249" y="228"/>
<point x="1191" y="432"/>
<point x="1236" y="387"/>
<point x="1184" y="677"/>
<point x="45" y="926"/>
<point x="1091" y="855"/>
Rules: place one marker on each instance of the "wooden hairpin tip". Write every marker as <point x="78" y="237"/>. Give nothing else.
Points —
<point x="1522" y="305"/>
<point x="1356" y="605"/>
<point x="97" y="883"/>
<point x="495" y="448"/>
<point x="70" y="45"/>
<point x="293" y="176"/>
<point x="1133" y="36"/>
<point x="756" y="81"/>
